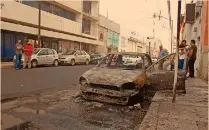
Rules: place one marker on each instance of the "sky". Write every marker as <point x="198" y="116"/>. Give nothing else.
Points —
<point x="137" y="16"/>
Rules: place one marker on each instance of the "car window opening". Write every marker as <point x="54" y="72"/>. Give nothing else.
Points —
<point x="123" y="61"/>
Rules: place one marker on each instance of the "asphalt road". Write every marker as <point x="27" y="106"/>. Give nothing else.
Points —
<point x="17" y="82"/>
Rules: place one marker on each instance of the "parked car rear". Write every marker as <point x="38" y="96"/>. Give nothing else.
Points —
<point x="72" y="57"/>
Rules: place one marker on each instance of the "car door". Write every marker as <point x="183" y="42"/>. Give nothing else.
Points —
<point x="42" y="56"/>
<point x="83" y="56"/>
<point x="50" y="56"/>
<point x="77" y="56"/>
<point x="161" y="78"/>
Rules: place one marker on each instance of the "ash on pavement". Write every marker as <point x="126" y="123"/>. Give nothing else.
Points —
<point x="66" y="110"/>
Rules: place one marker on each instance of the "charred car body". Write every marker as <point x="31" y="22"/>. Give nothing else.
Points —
<point x="114" y="80"/>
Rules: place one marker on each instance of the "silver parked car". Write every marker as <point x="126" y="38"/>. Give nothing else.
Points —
<point x="42" y="56"/>
<point x="73" y="57"/>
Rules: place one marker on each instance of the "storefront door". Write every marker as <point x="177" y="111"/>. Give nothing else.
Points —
<point x="54" y="44"/>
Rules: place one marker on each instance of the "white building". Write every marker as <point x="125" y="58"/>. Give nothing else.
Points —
<point x="130" y="41"/>
<point x="152" y="45"/>
<point x="63" y="24"/>
<point x="109" y="32"/>
<point x="194" y="27"/>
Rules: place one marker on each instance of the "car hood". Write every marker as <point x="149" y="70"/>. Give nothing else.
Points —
<point x="65" y="56"/>
<point x="113" y="77"/>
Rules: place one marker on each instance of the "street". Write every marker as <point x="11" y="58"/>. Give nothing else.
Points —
<point x="64" y="108"/>
<point x="17" y="82"/>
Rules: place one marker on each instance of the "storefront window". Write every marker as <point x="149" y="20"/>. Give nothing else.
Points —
<point x="65" y="45"/>
<point x="54" y="44"/>
<point x="77" y="46"/>
<point x="46" y="43"/>
<point x="85" y="47"/>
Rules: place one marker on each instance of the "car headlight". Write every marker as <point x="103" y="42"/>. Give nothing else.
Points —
<point x="140" y="80"/>
<point x="14" y="57"/>
<point x="83" y="81"/>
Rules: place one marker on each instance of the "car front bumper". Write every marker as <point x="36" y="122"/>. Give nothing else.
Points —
<point x="106" y="95"/>
<point x="64" y="61"/>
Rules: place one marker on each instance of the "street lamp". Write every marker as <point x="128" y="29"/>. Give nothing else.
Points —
<point x="160" y="16"/>
<point x="150" y="44"/>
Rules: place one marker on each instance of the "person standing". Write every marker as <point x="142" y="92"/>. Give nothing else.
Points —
<point x="18" y="54"/>
<point x="182" y="55"/>
<point x="192" y="58"/>
<point x="162" y="53"/>
<point x="28" y="50"/>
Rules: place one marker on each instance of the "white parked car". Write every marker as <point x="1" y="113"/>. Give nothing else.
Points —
<point x="132" y="58"/>
<point x="72" y="57"/>
<point x="42" y="56"/>
<point x="154" y="59"/>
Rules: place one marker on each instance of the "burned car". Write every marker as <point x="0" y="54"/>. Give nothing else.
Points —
<point x="161" y="75"/>
<point x="115" y="80"/>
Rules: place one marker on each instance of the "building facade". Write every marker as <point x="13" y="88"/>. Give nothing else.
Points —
<point x="108" y="33"/>
<point x="152" y="45"/>
<point x="61" y="25"/>
<point x="197" y="30"/>
<point x="130" y="41"/>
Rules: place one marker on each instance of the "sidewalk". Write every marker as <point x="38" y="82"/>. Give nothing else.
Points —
<point x="190" y="112"/>
<point x="6" y="64"/>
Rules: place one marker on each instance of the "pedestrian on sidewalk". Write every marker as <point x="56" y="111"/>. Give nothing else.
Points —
<point x="18" y="54"/>
<point x="183" y="56"/>
<point x="28" y="50"/>
<point x="192" y="58"/>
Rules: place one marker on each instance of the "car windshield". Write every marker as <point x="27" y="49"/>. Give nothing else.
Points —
<point x="123" y="61"/>
<point x="36" y="50"/>
<point x="69" y="52"/>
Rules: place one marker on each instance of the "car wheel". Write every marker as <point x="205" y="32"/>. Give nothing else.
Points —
<point x="56" y="63"/>
<point x="87" y="61"/>
<point x="34" y="63"/>
<point x="97" y="61"/>
<point x="72" y="62"/>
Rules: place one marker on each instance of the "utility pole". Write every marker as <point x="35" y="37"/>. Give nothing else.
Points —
<point x="39" y="23"/>
<point x="177" y="52"/>
<point x="107" y="32"/>
<point x="171" y="23"/>
<point x="149" y="48"/>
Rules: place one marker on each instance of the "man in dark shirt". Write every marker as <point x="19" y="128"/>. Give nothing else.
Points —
<point x="192" y="58"/>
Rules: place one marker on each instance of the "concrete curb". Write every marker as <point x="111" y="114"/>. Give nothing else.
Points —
<point x="6" y="65"/>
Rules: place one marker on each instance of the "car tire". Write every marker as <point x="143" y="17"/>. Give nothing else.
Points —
<point x="87" y="61"/>
<point x="98" y="61"/>
<point x="34" y="63"/>
<point x="72" y="62"/>
<point x="56" y="63"/>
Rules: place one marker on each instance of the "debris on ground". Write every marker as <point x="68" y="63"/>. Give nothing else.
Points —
<point x="130" y="107"/>
<point x="138" y="106"/>
<point x="78" y="100"/>
<point x="77" y="94"/>
<point x="98" y="104"/>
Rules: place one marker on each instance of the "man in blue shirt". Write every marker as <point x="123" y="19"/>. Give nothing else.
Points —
<point x="162" y="53"/>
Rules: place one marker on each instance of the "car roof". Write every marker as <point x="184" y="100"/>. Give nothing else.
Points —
<point x="44" y="48"/>
<point x="128" y="53"/>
